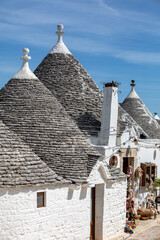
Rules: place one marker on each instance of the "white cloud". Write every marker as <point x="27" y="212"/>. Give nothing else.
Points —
<point x="138" y="56"/>
<point x="101" y="28"/>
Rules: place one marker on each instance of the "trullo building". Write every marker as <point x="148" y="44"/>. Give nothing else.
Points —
<point x="65" y="150"/>
<point x="54" y="183"/>
<point x="126" y="132"/>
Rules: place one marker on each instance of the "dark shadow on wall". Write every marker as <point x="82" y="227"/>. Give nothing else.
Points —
<point x="83" y="193"/>
<point x="70" y="193"/>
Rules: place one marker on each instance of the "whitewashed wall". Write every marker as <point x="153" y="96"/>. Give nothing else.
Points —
<point x="114" y="209"/>
<point x="147" y="151"/>
<point x="147" y="154"/>
<point x="66" y="215"/>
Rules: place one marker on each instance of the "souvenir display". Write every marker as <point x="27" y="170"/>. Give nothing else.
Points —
<point x="138" y="172"/>
<point x="129" y="170"/>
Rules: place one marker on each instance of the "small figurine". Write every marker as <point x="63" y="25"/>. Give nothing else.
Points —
<point x="130" y="170"/>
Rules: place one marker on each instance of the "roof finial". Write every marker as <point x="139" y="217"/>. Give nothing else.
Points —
<point x="60" y="47"/>
<point x="60" y="33"/>
<point x="156" y="116"/>
<point x="132" y="93"/>
<point x="132" y="83"/>
<point x="25" y="72"/>
<point x="25" y="58"/>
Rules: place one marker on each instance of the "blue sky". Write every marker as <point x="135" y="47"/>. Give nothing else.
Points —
<point x="113" y="39"/>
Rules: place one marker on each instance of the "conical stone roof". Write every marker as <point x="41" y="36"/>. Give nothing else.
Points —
<point x="29" y="109"/>
<point x="69" y="82"/>
<point x="19" y="165"/>
<point x="139" y="112"/>
<point x="126" y="122"/>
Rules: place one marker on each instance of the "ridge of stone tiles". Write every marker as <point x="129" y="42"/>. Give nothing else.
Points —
<point x="126" y="121"/>
<point x="19" y="165"/>
<point x="139" y="112"/>
<point x="116" y="173"/>
<point x="28" y="108"/>
<point x="69" y="82"/>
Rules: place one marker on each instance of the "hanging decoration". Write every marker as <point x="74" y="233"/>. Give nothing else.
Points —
<point x="138" y="172"/>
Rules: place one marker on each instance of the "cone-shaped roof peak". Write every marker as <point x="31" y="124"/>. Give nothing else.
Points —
<point x="25" y="72"/>
<point x="132" y="93"/>
<point x="60" y="47"/>
<point x="156" y="116"/>
<point x="139" y="112"/>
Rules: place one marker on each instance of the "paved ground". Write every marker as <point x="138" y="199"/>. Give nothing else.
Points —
<point x="146" y="230"/>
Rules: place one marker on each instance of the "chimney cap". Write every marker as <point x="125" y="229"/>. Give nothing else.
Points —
<point x="111" y="84"/>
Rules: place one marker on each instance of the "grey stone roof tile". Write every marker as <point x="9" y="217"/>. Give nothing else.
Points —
<point x="69" y="82"/>
<point x="66" y="78"/>
<point x="139" y="112"/>
<point x="29" y="109"/>
<point x="19" y="165"/>
<point x="116" y="173"/>
<point x="126" y="121"/>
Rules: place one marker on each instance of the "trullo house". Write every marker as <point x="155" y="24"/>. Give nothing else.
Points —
<point x="54" y="183"/>
<point x="126" y="133"/>
<point x="66" y="149"/>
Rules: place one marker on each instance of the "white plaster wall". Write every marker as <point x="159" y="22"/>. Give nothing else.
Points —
<point x="147" y="154"/>
<point x="114" y="209"/>
<point x="66" y="215"/>
<point x="107" y="152"/>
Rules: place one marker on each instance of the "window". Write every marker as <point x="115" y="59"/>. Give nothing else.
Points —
<point x="113" y="162"/>
<point x="149" y="173"/>
<point x="142" y="136"/>
<point x="40" y="199"/>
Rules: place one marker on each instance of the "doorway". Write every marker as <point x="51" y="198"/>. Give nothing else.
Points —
<point x="92" y="223"/>
<point x="126" y="162"/>
<point x="97" y="206"/>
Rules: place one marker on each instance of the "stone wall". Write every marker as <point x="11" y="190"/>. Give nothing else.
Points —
<point x="114" y="209"/>
<point x="66" y="215"/>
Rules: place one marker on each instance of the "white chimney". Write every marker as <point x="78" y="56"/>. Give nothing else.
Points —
<point x="108" y="132"/>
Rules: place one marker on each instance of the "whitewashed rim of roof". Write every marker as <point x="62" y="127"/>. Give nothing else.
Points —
<point x="133" y="94"/>
<point x="156" y="117"/>
<point x="60" y="47"/>
<point x="25" y="72"/>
